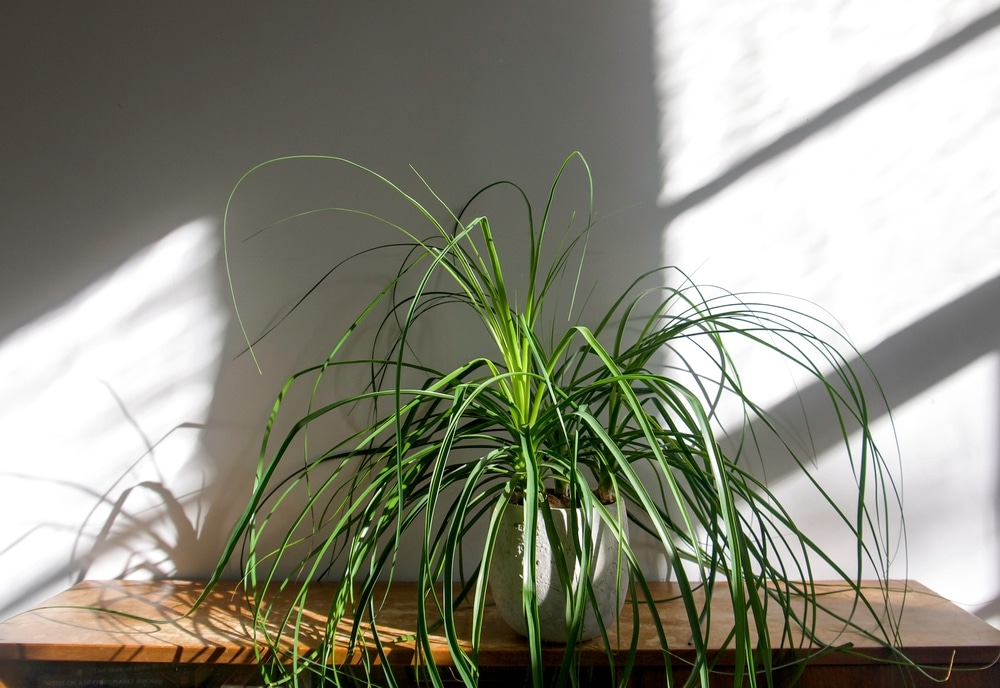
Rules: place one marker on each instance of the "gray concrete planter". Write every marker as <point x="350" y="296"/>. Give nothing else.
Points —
<point x="610" y="585"/>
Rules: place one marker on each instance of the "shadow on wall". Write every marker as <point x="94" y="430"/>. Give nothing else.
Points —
<point x="835" y="112"/>
<point x="99" y="146"/>
<point x="854" y="145"/>
<point x="84" y="490"/>
<point x="138" y="530"/>
<point x="909" y="364"/>
<point x="911" y="361"/>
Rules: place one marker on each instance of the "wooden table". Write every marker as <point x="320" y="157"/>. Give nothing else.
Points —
<point x="149" y="641"/>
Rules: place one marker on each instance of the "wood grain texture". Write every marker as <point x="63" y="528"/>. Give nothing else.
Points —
<point x="152" y="621"/>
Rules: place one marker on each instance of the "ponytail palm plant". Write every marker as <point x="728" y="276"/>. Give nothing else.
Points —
<point x="611" y="417"/>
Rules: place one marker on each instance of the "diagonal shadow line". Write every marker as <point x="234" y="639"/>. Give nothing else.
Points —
<point x="907" y="364"/>
<point x="835" y="112"/>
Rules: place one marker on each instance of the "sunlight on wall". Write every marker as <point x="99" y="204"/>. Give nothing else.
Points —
<point x="947" y="514"/>
<point x="842" y="152"/>
<point x="890" y="206"/>
<point x="100" y="412"/>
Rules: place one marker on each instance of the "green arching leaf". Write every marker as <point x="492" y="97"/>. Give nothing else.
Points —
<point x="628" y="402"/>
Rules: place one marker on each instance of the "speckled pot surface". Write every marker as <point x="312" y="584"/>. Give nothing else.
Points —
<point x="506" y="569"/>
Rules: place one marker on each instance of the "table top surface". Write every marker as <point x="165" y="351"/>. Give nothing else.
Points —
<point x="152" y="621"/>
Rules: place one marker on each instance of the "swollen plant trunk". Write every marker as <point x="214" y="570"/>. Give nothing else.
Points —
<point x="608" y="573"/>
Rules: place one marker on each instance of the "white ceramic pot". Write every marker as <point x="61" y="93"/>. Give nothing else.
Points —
<point x="506" y="569"/>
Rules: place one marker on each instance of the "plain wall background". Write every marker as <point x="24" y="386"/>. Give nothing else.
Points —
<point x="128" y="424"/>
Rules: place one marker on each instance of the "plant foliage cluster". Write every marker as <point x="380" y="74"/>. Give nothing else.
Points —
<point x="612" y="414"/>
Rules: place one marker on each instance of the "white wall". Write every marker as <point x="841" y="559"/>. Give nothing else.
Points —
<point x="843" y="152"/>
<point x="128" y="426"/>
